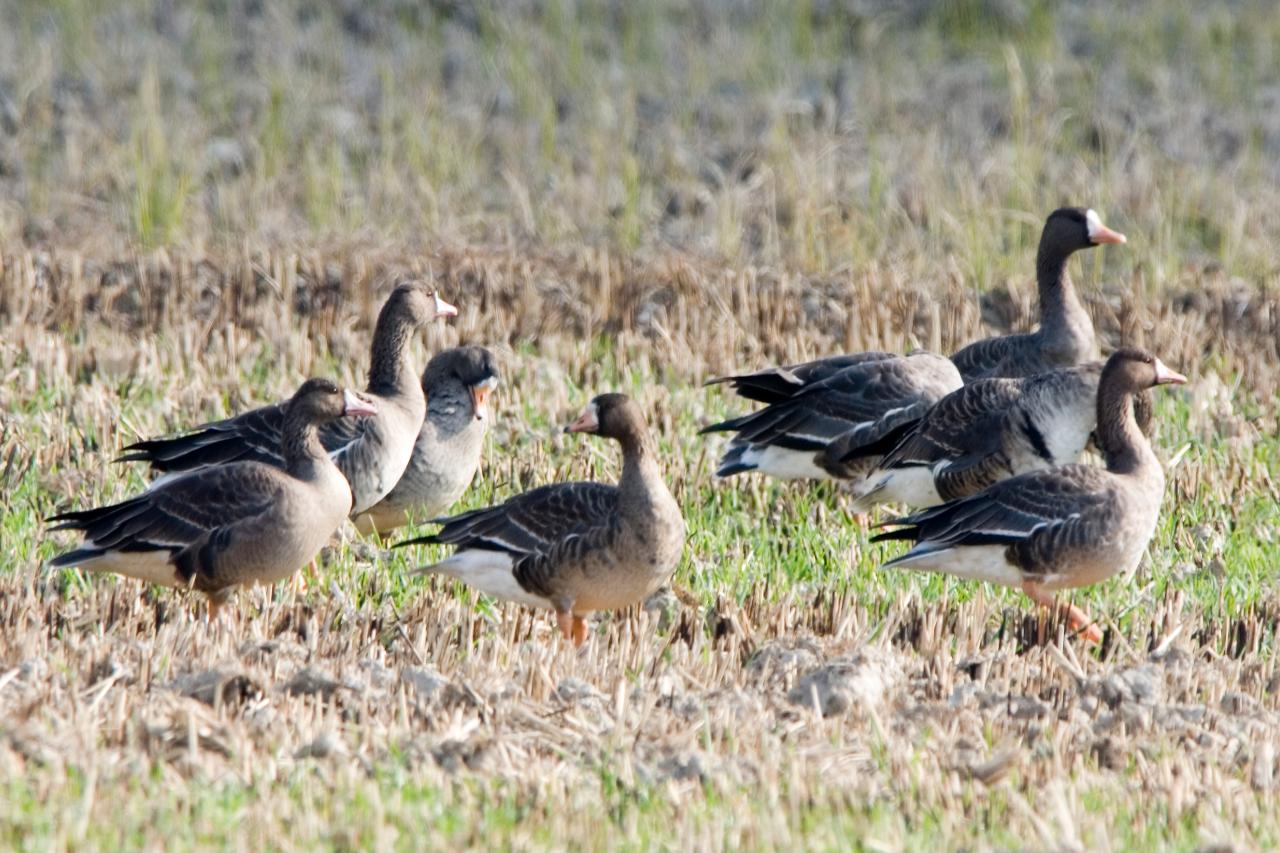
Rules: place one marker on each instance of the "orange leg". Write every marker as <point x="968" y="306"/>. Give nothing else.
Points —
<point x="216" y="605"/>
<point x="1077" y="619"/>
<point x="564" y="620"/>
<point x="579" y="630"/>
<point x="303" y="578"/>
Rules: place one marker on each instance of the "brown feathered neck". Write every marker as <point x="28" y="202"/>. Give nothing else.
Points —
<point x="390" y="368"/>
<point x="300" y="442"/>
<point x="1062" y="314"/>
<point x="1119" y="436"/>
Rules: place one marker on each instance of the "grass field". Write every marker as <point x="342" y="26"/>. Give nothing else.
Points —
<point x="201" y="206"/>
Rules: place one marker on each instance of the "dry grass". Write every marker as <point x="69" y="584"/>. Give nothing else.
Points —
<point x="786" y="697"/>
<point x="200" y="204"/>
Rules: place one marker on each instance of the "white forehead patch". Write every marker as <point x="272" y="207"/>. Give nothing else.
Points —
<point x="1093" y="222"/>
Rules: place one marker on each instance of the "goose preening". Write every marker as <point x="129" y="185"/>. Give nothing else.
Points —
<point x="1063" y="527"/>
<point x="1065" y="336"/>
<point x="372" y="452"/>
<point x="216" y="528"/>
<point x="860" y="409"/>
<point x="574" y="548"/>
<point x="457" y="384"/>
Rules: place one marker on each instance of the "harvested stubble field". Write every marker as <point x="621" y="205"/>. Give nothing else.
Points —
<point x="612" y="208"/>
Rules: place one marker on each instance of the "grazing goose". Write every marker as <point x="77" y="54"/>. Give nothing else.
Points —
<point x="1063" y="527"/>
<point x="457" y="383"/>
<point x="216" y="528"/>
<point x="575" y="547"/>
<point x="372" y="453"/>
<point x="1065" y="337"/>
<point x="861" y="409"/>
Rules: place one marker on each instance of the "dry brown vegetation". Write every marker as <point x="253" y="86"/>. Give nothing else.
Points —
<point x="201" y="204"/>
<point x="735" y="714"/>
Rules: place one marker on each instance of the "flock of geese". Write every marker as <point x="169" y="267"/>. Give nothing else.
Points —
<point x="985" y="444"/>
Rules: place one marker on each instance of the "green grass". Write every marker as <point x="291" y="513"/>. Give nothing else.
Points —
<point x="753" y="171"/>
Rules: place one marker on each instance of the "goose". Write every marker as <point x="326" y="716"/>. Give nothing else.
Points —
<point x="457" y="384"/>
<point x="372" y="453"/>
<point x="1065" y="337"/>
<point x="990" y="430"/>
<point x="216" y="528"/>
<point x="574" y="548"/>
<point x="1059" y="528"/>
<point x="860" y="408"/>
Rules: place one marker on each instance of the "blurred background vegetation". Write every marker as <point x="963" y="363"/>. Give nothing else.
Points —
<point x="814" y="134"/>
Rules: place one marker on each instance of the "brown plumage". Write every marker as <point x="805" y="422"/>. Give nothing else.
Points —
<point x="575" y="547"/>
<point x="1064" y="527"/>
<point x="217" y="528"/>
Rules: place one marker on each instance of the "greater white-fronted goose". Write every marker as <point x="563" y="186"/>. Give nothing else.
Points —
<point x="837" y="428"/>
<point x="372" y="453"/>
<point x="575" y="548"/>
<point x="1065" y="337"/>
<point x="457" y="384"/>
<point x="991" y="430"/>
<point x="1063" y="527"/>
<point x="220" y="527"/>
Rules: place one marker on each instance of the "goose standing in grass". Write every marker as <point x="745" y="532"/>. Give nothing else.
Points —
<point x="990" y="430"/>
<point x="575" y="548"/>
<point x="1064" y="527"/>
<point x="457" y="384"/>
<point x="1065" y="337"/>
<point x="862" y="408"/>
<point x="220" y="527"/>
<point x="371" y="453"/>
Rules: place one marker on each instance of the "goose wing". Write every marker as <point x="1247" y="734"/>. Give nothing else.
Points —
<point x="1056" y="507"/>
<point x="529" y="523"/>
<point x="774" y="384"/>
<point x="179" y="513"/>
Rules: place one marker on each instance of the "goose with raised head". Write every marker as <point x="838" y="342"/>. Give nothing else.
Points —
<point x="216" y="528"/>
<point x="1065" y="336"/>
<point x="574" y="548"/>
<point x="371" y="453"/>
<point x="1059" y="528"/>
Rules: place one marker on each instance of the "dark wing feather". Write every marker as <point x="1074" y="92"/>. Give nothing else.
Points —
<point x="991" y="358"/>
<point x="252" y="436"/>
<point x="812" y="417"/>
<point x="964" y="423"/>
<point x="536" y="571"/>
<point x="774" y="384"/>
<point x="530" y="522"/>
<point x="873" y="438"/>
<point x="1008" y="512"/>
<point x="178" y="513"/>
